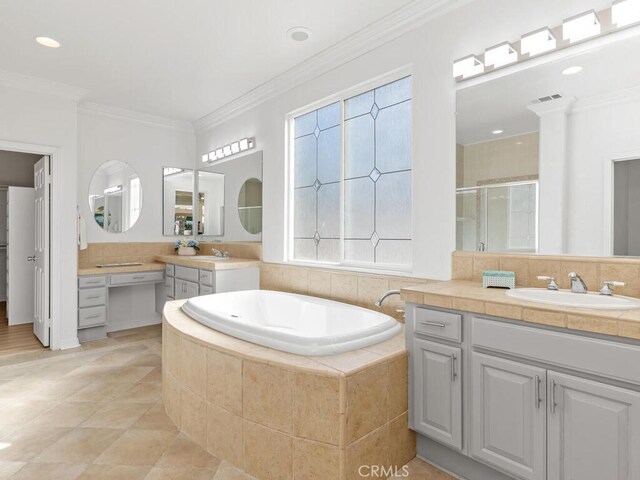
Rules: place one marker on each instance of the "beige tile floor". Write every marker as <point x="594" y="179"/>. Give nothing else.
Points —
<point x="96" y="413"/>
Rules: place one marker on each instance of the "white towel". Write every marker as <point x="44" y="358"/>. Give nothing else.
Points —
<point x="82" y="232"/>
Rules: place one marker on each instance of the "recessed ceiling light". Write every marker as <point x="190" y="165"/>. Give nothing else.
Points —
<point x="299" y="34"/>
<point x="497" y="132"/>
<point x="572" y="70"/>
<point x="48" y="42"/>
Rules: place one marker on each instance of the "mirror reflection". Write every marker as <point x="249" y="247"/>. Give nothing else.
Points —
<point x="546" y="155"/>
<point x="234" y="185"/>
<point x="178" y="191"/>
<point x="115" y="196"/>
<point x="250" y="205"/>
<point x="210" y="203"/>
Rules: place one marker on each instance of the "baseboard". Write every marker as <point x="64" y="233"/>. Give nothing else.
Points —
<point x="69" y="343"/>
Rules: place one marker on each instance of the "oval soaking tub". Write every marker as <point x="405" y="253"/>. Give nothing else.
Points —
<point x="292" y="323"/>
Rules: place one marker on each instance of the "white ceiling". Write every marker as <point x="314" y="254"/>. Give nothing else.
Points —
<point x="501" y="103"/>
<point x="177" y="59"/>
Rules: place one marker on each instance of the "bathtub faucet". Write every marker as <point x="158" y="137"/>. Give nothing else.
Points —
<point x="384" y="296"/>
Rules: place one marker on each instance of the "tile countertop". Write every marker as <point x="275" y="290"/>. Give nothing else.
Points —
<point x="145" y="267"/>
<point x="471" y="297"/>
<point x="194" y="261"/>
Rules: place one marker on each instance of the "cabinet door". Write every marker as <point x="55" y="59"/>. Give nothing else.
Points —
<point x="508" y="416"/>
<point x="192" y="289"/>
<point x="185" y="289"/>
<point x="438" y="391"/>
<point x="594" y="430"/>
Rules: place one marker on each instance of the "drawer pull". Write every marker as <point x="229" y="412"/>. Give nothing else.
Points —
<point x="93" y="297"/>
<point x="93" y="282"/>
<point x="139" y="277"/>
<point x="95" y="315"/>
<point x="454" y="372"/>
<point x="433" y="324"/>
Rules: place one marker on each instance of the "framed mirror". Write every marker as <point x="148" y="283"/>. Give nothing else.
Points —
<point x="547" y="153"/>
<point x="177" y="201"/>
<point x="115" y="196"/>
<point x="210" y="203"/>
<point x="234" y="186"/>
<point x="250" y="205"/>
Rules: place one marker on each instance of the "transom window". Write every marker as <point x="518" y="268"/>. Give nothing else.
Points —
<point x="350" y="171"/>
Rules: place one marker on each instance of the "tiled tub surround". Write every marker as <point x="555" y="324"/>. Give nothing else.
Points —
<point x="283" y="416"/>
<point x="356" y="288"/>
<point x="145" y="252"/>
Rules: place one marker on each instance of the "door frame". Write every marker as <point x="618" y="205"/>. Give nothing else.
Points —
<point x="55" y="219"/>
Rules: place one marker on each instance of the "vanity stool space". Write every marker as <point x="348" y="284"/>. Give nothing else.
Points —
<point x="185" y="282"/>
<point x="493" y="398"/>
<point x="93" y="300"/>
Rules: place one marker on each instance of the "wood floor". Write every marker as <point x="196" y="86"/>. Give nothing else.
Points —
<point x="17" y="338"/>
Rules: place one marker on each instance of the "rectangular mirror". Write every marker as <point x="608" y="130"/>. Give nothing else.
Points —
<point x="547" y="153"/>
<point x="177" y="205"/>
<point x="232" y="199"/>
<point x="210" y="203"/>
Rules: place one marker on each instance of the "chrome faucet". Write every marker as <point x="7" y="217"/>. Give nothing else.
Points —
<point x="217" y="253"/>
<point x="606" y="287"/>
<point x="384" y="296"/>
<point x="577" y="284"/>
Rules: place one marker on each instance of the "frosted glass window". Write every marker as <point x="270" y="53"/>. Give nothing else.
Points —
<point x="352" y="179"/>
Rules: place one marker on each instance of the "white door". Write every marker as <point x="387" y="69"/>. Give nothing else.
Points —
<point x="438" y="392"/>
<point x="20" y="247"/>
<point x="41" y="280"/>
<point x="508" y="412"/>
<point x="593" y="430"/>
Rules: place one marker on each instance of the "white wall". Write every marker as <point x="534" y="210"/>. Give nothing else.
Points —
<point x="144" y="146"/>
<point x="597" y="136"/>
<point x="50" y="122"/>
<point x="431" y="50"/>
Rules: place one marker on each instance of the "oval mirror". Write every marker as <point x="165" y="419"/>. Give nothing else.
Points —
<point x="250" y="205"/>
<point x="115" y="196"/>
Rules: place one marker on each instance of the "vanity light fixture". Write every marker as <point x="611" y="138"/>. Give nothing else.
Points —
<point x="166" y="171"/>
<point x="230" y="149"/>
<point x="537" y="42"/>
<point x="625" y="12"/>
<point x="114" y="189"/>
<point x="572" y="70"/>
<point x="500" y="55"/>
<point x="581" y="26"/>
<point x="48" y="42"/>
<point x="467" y="67"/>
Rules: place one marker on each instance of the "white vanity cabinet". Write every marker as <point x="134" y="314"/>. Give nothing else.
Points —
<point x="530" y="402"/>
<point x="186" y="282"/>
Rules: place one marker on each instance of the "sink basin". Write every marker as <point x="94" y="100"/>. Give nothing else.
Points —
<point x="211" y="258"/>
<point x="565" y="298"/>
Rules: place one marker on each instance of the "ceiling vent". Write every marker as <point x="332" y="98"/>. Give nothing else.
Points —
<point x="548" y="98"/>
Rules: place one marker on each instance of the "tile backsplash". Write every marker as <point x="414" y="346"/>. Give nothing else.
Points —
<point x="593" y="270"/>
<point x="355" y="288"/>
<point x="116" y="252"/>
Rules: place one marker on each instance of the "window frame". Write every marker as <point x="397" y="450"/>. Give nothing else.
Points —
<point x="341" y="97"/>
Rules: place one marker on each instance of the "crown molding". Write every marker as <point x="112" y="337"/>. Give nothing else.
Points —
<point x="133" y="116"/>
<point x="626" y="95"/>
<point x="39" y="85"/>
<point x="382" y="31"/>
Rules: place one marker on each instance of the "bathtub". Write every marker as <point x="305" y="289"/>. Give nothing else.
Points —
<point x="292" y="323"/>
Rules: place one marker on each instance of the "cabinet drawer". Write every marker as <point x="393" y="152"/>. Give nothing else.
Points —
<point x="438" y="324"/>
<point x="92" y="317"/>
<point x="169" y="285"/>
<point x="89" y="282"/>
<point x="205" y="290"/>
<point x="134" y="278"/>
<point x="187" y="273"/>
<point x="169" y="269"/>
<point x="206" y="278"/>
<point x="91" y="297"/>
